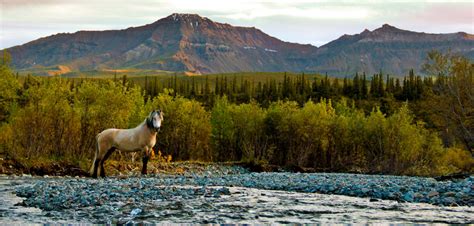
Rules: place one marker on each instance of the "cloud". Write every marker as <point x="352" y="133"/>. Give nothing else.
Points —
<point x="303" y="21"/>
<point x="337" y="13"/>
<point x="23" y="3"/>
<point x="446" y="13"/>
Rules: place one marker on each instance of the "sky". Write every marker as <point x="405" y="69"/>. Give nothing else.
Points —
<point x="307" y="22"/>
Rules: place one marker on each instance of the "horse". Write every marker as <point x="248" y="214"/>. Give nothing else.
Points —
<point x="141" y="138"/>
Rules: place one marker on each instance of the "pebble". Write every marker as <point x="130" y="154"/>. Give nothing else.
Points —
<point x="136" y="211"/>
<point x="433" y="193"/>
<point x="450" y="194"/>
<point x="71" y="193"/>
<point x="409" y="196"/>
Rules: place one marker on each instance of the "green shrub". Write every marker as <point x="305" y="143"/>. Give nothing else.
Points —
<point x="455" y="160"/>
<point x="106" y="104"/>
<point x="223" y="137"/>
<point x="186" y="128"/>
<point x="9" y="87"/>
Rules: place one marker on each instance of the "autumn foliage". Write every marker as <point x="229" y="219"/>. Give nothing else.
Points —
<point x="57" y="118"/>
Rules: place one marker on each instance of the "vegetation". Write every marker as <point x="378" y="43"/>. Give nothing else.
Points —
<point x="385" y="125"/>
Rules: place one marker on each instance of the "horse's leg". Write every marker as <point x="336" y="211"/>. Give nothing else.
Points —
<point x="95" y="167"/>
<point x="95" y="163"/>
<point x="106" y="156"/>
<point x="146" y="156"/>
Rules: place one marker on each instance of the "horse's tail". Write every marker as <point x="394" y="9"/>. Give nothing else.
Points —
<point x="91" y="171"/>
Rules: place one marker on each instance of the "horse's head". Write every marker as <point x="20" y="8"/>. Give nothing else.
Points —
<point x="154" y="120"/>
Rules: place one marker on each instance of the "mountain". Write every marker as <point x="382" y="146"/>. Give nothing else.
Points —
<point x="195" y="44"/>
<point x="388" y="48"/>
<point x="179" y="42"/>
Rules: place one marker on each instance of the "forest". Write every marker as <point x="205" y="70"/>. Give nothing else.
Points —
<point x="412" y="125"/>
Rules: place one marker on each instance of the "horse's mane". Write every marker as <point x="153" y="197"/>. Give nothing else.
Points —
<point x="149" y="123"/>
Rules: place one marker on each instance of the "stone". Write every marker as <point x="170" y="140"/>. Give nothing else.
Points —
<point x="135" y="211"/>
<point x="450" y="194"/>
<point x="432" y="193"/>
<point x="418" y="195"/>
<point x="449" y="201"/>
<point x="409" y="196"/>
<point x="460" y="195"/>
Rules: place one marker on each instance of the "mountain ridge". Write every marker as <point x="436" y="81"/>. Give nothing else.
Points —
<point x="191" y="43"/>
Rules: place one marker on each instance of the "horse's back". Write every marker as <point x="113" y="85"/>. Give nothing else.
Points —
<point x="122" y="139"/>
<point x="107" y="136"/>
<point x="107" y="133"/>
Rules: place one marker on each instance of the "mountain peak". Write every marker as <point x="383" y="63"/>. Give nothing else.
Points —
<point x="384" y="29"/>
<point x="366" y="31"/>
<point x="186" y="17"/>
<point x="387" y="28"/>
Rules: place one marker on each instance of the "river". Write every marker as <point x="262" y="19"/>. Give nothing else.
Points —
<point x="180" y="203"/>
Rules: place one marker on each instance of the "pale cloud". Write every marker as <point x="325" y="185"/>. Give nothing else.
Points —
<point x="337" y="13"/>
<point x="315" y="22"/>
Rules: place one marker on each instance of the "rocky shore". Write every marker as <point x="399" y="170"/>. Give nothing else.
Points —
<point x="81" y="192"/>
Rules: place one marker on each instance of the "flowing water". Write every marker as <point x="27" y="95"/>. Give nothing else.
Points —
<point x="236" y="205"/>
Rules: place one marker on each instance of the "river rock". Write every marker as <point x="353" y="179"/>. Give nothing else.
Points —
<point x="409" y="196"/>
<point x="432" y="193"/>
<point x="135" y="211"/>
<point x="449" y="194"/>
<point x="365" y="190"/>
<point x="70" y="193"/>
<point x="449" y="201"/>
<point x="418" y="195"/>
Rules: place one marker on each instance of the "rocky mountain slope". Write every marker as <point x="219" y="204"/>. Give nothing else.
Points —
<point x="389" y="49"/>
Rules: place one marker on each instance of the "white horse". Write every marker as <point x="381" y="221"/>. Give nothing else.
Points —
<point x="141" y="138"/>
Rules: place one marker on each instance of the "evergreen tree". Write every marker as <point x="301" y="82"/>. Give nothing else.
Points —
<point x="380" y="87"/>
<point x="364" y="88"/>
<point x="356" y="92"/>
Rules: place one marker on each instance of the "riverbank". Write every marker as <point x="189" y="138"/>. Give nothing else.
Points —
<point x="52" y="196"/>
<point x="10" y="166"/>
<point x="453" y="192"/>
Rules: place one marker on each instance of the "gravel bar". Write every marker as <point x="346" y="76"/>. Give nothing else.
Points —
<point x="79" y="192"/>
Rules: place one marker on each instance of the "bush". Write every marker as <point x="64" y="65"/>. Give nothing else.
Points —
<point x="47" y="125"/>
<point x="252" y="142"/>
<point x="455" y="160"/>
<point x="279" y="130"/>
<point x="186" y="128"/>
<point x="238" y="132"/>
<point x="223" y="131"/>
<point x="106" y="104"/>
<point x="9" y="87"/>
<point x="60" y="123"/>
<point x="347" y="139"/>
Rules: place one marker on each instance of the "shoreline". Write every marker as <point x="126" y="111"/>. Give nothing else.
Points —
<point x="452" y="191"/>
<point x="128" y="168"/>
<point x="165" y="199"/>
<point x="458" y="192"/>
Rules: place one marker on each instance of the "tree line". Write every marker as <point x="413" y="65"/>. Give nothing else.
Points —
<point x="291" y="87"/>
